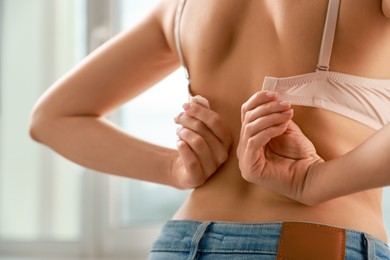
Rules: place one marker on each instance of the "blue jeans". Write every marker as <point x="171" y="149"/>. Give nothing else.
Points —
<point x="187" y="240"/>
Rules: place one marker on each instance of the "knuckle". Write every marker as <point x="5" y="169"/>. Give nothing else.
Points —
<point x="248" y="128"/>
<point x="267" y="107"/>
<point x="197" y="141"/>
<point x="195" y="108"/>
<point x="262" y="121"/>
<point x="248" y="116"/>
<point x="182" y="132"/>
<point x="198" y="125"/>
<point x="244" y="108"/>
<point x="251" y="142"/>
<point x="259" y="94"/>
<point x="178" y="117"/>
<point x="215" y="121"/>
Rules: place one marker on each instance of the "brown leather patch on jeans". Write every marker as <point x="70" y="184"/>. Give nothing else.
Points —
<point x="307" y="241"/>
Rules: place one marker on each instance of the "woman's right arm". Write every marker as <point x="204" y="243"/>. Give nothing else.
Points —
<point x="69" y="117"/>
<point x="275" y="154"/>
<point x="365" y="167"/>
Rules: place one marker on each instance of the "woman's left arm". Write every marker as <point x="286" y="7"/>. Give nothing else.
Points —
<point x="366" y="167"/>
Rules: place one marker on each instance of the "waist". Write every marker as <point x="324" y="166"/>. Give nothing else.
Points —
<point x="226" y="196"/>
<point x="224" y="201"/>
<point x="255" y="238"/>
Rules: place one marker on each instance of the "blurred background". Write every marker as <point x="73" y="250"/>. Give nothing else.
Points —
<point x="51" y="208"/>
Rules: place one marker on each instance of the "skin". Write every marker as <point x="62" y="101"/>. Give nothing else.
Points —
<point x="386" y="8"/>
<point x="230" y="152"/>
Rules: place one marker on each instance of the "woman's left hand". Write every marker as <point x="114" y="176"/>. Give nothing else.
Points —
<point x="273" y="152"/>
<point x="203" y="145"/>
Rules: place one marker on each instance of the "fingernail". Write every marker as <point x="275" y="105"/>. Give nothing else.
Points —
<point x="285" y="103"/>
<point x="288" y="112"/>
<point x="186" y="106"/>
<point x="271" y="94"/>
<point x="178" y="130"/>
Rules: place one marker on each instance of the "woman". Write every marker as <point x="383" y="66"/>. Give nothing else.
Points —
<point x="293" y="170"/>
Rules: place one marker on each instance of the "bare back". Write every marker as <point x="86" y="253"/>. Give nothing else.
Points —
<point x="230" y="46"/>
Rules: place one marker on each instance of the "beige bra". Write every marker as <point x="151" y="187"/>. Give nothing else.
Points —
<point x="365" y="100"/>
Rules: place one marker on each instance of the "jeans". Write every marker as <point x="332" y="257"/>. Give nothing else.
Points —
<point x="186" y="240"/>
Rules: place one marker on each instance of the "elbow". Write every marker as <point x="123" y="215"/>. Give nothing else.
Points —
<point x="34" y="127"/>
<point x="38" y="125"/>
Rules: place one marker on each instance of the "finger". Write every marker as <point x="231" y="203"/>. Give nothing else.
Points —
<point x="266" y="109"/>
<point x="200" y="100"/>
<point x="199" y="146"/>
<point x="193" y="176"/>
<point x="256" y="100"/>
<point x="261" y="139"/>
<point x="218" y="150"/>
<point x="212" y="120"/>
<point x="263" y="110"/>
<point x="261" y="124"/>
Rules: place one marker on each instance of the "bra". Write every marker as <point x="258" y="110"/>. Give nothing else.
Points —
<point x="362" y="99"/>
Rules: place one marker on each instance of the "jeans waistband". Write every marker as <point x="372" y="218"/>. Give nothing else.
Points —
<point x="184" y="235"/>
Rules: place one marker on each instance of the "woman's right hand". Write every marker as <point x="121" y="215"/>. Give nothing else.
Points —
<point x="273" y="152"/>
<point x="203" y="145"/>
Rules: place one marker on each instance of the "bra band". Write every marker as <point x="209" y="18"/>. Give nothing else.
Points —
<point x="328" y="36"/>
<point x="179" y="14"/>
<point x="326" y="44"/>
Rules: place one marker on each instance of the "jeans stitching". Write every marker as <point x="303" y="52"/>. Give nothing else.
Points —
<point x="219" y="250"/>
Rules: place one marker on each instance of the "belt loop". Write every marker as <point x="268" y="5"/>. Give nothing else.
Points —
<point x="196" y="239"/>
<point x="370" y="243"/>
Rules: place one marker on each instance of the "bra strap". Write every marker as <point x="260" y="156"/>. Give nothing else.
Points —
<point x="328" y="36"/>
<point x="179" y="13"/>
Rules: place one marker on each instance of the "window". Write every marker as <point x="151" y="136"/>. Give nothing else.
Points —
<point x="39" y="191"/>
<point x="33" y="54"/>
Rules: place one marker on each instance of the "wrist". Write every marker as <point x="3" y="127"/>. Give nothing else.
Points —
<point x="312" y="194"/>
<point x="173" y="171"/>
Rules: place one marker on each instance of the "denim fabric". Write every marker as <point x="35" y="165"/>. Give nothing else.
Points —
<point x="186" y="240"/>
